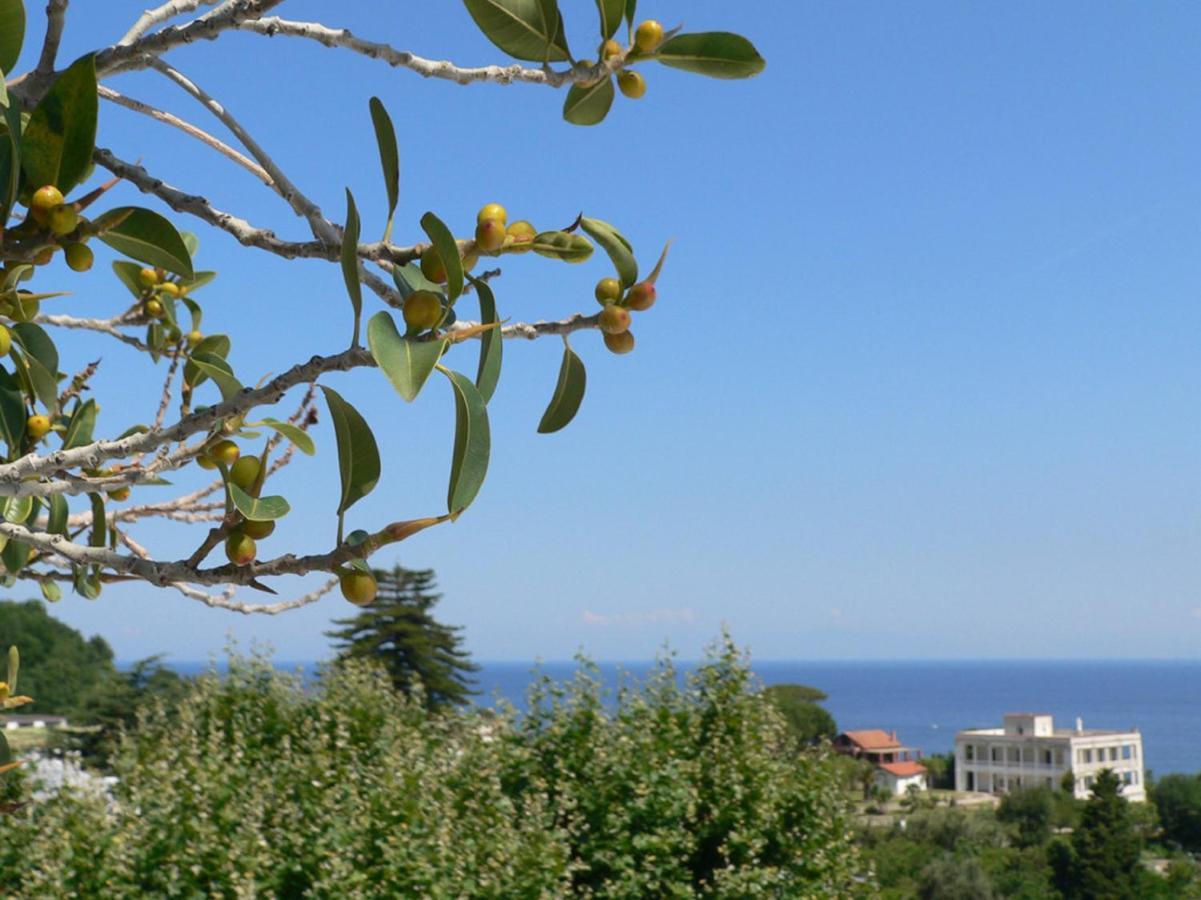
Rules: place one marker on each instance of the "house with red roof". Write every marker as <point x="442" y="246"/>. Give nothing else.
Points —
<point x="897" y="766"/>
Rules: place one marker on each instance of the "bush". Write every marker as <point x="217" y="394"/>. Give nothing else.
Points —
<point x="252" y="785"/>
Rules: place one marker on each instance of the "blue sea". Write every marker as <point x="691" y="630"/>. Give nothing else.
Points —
<point x="927" y="702"/>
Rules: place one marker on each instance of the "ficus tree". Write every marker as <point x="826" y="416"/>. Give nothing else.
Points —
<point x="71" y="470"/>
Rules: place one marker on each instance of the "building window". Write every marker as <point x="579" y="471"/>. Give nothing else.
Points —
<point x="1113" y="754"/>
<point x="1127" y="751"/>
<point x="996" y="754"/>
<point x="1046" y="757"/>
<point x="1059" y="756"/>
<point x="969" y="752"/>
<point x="1087" y="756"/>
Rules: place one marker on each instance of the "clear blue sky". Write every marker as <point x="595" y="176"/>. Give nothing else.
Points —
<point x="922" y="380"/>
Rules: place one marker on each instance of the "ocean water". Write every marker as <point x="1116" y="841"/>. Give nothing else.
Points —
<point x="927" y="702"/>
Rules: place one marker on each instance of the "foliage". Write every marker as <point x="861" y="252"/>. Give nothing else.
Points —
<point x="54" y="465"/>
<point x="1029" y="811"/>
<point x="1102" y="860"/>
<point x="60" y="668"/>
<point x="955" y="878"/>
<point x="398" y="630"/>
<point x="253" y="785"/>
<point x="798" y="704"/>
<point x="1178" y="799"/>
<point x="940" y="768"/>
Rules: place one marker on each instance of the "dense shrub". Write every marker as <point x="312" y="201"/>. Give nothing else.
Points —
<point x="253" y="785"/>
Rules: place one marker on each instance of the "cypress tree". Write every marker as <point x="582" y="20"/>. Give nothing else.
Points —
<point x="397" y="630"/>
<point x="1102" y="861"/>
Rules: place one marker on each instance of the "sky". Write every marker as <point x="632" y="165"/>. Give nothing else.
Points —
<point x="921" y="381"/>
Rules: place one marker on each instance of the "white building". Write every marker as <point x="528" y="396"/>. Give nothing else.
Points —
<point x="898" y="777"/>
<point x="1030" y="752"/>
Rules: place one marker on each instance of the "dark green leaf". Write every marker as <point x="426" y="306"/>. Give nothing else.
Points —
<point x="10" y="158"/>
<point x="526" y="29"/>
<point x="350" y="261"/>
<point x="59" y="513"/>
<point x="128" y="272"/>
<point x="216" y="368"/>
<point x="257" y="509"/>
<point x="473" y="443"/>
<point x="409" y="279"/>
<point x="12" y="412"/>
<point x="611" y="12"/>
<point x="99" y="535"/>
<point x="589" y="105"/>
<point x="12" y="34"/>
<point x="215" y="345"/>
<point x="82" y="425"/>
<point x="14" y="556"/>
<point x="573" y="248"/>
<point x="194" y="311"/>
<point x="618" y="248"/>
<point x="17" y="509"/>
<point x="358" y="454"/>
<point x="57" y="145"/>
<point x="40" y="381"/>
<point x="717" y="54"/>
<point x="631" y="9"/>
<point x="146" y="236"/>
<point x="293" y="433"/>
<point x="448" y="250"/>
<point x="407" y="363"/>
<point x="389" y="157"/>
<point x="491" y="342"/>
<point x="569" y="393"/>
<point x="37" y="343"/>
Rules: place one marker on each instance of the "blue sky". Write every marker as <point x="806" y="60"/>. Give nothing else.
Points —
<point x="923" y="376"/>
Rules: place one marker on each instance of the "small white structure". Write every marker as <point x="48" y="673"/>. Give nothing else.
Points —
<point x="898" y="777"/>
<point x="1029" y="751"/>
<point x="33" y="721"/>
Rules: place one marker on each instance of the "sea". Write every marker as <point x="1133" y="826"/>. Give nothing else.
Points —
<point x="927" y="702"/>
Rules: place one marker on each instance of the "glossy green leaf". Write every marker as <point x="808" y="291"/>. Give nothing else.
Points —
<point x="491" y="342"/>
<point x="409" y="279"/>
<point x="12" y="34"/>
<point x="198" y="280"/>
<point x="631" y="10"/>
<point x="358" y="454"/>
<point x="526" y="29"/>
<point x="215" y="345"/>
<point x="12" y="411"/>
<point x="389" y="158"/>
<point x="473" y="443"/>
<point x="81" y="426"/>
<point x="216" y="368"/>
<point x="40" y="381"/>
<point x="569" y="393"/>
<point x="59" y="512"/>
<point x="17" y="509"/>
<point x="562" y="245"/>
<point x="14" y="556"/>
<point x="350" y="261"/>
<point x="717" y="54"/>
<point x="614" y="244"/>
<point x="99" y="535"/>
<point x="610" y="12"/>
<point x="146" y="236"/>
<point x="57" y="145"/>
<point x="10" y="159"/>
<point x="448" y="249"/>
<point x="195" y="313"/>
<point x="128" y="273"/>
<point x="257" y="509"/>
<point x="589" y="105"/>
<point x="406" y="363"/>
<point x="37" y="343"/>
<point x="294" y="433"/>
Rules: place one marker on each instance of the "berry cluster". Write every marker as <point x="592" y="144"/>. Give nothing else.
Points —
<point x="614" y="318"/>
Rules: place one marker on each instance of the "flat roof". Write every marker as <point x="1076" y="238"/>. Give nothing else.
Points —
<point x="1058" y="732"/>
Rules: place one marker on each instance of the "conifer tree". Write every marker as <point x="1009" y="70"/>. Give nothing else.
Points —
<point x="1102" y="860"/>
<point x="397" y="629"/>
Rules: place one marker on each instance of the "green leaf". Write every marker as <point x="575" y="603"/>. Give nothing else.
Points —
<point x="146" y="236"/>
<point x="257" y="509"/>
<point x="491" y="342"/>
<point x="59" y="512"/>
<point x="37" y="343"/>
<point x="40" y="381"/>
<point x="50" y="590"/>
<point x="14" y="556"/>
<point x="99" y="535"/>
<point x="17" y="509"/>
<point x="573" y="248"/>
<point x="569" y="393"/>
<point x="12" y="412"/>
<point x="350" y="262"/>
<point x="444" y="242"/>
<point x="12" y="34"/>
<point x="526" y="29"/>
<point x="407" y="363"/>
<point x="473" y="443"/>
<point x="717" y="54"/>
<point x="216" y="368"/>
<point x="191" y="242"/>
<point x="214" y="345"/>
<point x="293" y="433"/>
<point x="10" y="158"/>
<point x="589" y="105"/>
<point x="57" y="145"/>
<point x="128" y="273"/>
<point x="358" y="454"/>
<point x="631" y="9"/>
<point x="194" y="311"/>
<point x="409" y="279"/>
<point x="618" y="248"/>
<point x="198" y="280"/>
<point x="389" y="158"/>
<point x="611" y="12"/>
<point x="80" y="428"/>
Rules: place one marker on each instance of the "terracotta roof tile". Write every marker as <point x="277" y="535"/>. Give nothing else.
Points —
<point x="872" y="739"/>
<point x="905" y="769"/>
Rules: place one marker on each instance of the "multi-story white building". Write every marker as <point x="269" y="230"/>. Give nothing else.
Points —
<point x="1029" y="751"/>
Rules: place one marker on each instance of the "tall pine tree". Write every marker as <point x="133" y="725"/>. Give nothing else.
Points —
<point x="397" y="630"/>
<point x="1102" y="860"/>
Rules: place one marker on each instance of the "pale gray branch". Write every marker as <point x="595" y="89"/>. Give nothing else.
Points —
<point x="160" y="14"/>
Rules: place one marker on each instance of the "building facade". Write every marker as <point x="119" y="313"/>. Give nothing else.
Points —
<point x="897" y="766"/>
<point x="1029" y="751"/>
